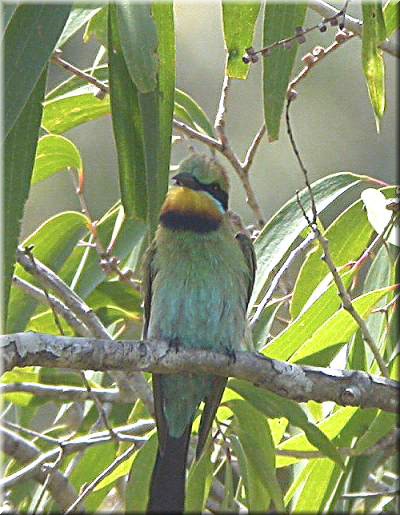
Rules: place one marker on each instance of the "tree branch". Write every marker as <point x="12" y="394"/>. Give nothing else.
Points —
<point x="299" y="383"/>
<point x="353" y="24"/>
<point x="25" y="452"/>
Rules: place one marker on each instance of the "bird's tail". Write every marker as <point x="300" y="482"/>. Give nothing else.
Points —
<point x="167" y="489"/>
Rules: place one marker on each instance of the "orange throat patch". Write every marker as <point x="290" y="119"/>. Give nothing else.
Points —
<point x="187" y="209"/>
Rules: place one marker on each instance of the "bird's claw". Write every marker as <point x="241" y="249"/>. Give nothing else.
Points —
<point x="231" y="355"/>
<point x="174" y="344"/>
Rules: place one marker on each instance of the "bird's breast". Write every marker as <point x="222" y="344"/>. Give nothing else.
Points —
<point x="199" y="290"/>
<point x="189" y="210"/>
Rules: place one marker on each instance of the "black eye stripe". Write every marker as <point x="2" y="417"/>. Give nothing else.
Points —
<point x="218" y="194"/>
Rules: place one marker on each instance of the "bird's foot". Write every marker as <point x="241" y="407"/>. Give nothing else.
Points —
<point x="228" y="351"/>
<point x="174" y="344"/>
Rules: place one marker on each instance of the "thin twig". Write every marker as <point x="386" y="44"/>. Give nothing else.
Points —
<point x="344" y="295"/>
<point x="286" y="265"/>
<point x="371" y="495"/>
<point x="353" y="24"/>
<point x="109" y="264"/>
<point x="56" y="59"/>
<point x="89" y="318"/>
<point x="251" y="152"/>
<point x="317" y="55"/>
<point x="58" y="306"/>
<point x="92" y="485"/>
<point x="64" y="393"/>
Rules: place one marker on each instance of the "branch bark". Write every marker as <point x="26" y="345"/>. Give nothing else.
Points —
<point x="299" y="383"/>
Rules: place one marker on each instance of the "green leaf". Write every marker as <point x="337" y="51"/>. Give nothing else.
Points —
<point x="82" y="269"/>
<point x="72" y="83"/>
<point x="378" y="216"/>
<point x="120" y="471"/>
<point x="97" y="27"/>
<point x="255" y="436"/>
<point x="330" y="427"/>
<point x="338" y="329"/>
<point x="128" y="127"/>
<point x="304" y="326"/>
<point x="373" y="34"/>
<point x="280" y="22"/>
<point x="138" y="34"/>
<point x="54" y="154"/>
<point x="94" y="461"/>
<point x="282" y="230"/>
<point x="116" y="294"/>
<point x="76" y="20"/>
<point x="261" y="330"/>
<point x="79" y="106"/>
<point x="163" y="16"/>
<point x="53" y="242"/>
<point x="383" y="424"/>
<point x="19" y="156"/>
<point x="315" y="487"/>
<point x="189" y="111"/>
<point x="239" y="20"/>
<point x="199" y="483"/>
<point x="138" y="484"/>
<point x="29" y="41"/>
<point x="20" y="375"/>
<point x="391" y="13"/>
<point x="272" y="405"/>
<point x="348" y="237"/>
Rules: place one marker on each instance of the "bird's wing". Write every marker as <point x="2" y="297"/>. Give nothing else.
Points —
<point x="148" y="275"/>
<point x="246" y="245"/>
<point x="212" y="402"/>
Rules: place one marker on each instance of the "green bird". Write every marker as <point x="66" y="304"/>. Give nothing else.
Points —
<point x="197" y="280"/>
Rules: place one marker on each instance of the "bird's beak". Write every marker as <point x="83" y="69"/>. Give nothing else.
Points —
<point x="186" y="180"/>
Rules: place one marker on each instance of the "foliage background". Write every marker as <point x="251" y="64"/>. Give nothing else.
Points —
<point x="333" y="119"/>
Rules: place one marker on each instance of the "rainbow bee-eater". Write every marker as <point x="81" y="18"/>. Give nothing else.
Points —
<point x="197" y="280"/>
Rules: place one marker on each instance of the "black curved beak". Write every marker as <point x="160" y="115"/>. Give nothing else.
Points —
<point x="186" y="180"/>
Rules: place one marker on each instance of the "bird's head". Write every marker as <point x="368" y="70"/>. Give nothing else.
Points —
<point x="199" y="197"/>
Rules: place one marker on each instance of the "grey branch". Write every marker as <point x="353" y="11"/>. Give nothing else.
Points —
<point x="26" y="452"/>
<point x="65" y="393"/>
<point x="136" y="384"/>
<point x="353" y="24"/>
<point x="299" y="383"/>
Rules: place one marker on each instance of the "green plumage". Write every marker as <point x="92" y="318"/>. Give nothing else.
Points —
<point x="197" y="286"/>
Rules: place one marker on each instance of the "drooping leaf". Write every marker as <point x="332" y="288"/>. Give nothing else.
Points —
<point x="272" y="405"/>
<point x="127" y="126"/>
<point x="330" y="427"/>
<point x="348" y="237"/>
<point x="93" y="462"/>
<point x="340" y="327"/>
<point x="139" y="42"/>
<point x="304" y="326"/>
<point x="373" y="34"/>
<point x="82" y="268"/>
<point x="282" y="230"/>
<point x="163" y="16"/>
<point x="79" y="106"/>
<point x="189" y="111"/>
<point x="391" y="14"/>
<point x="76" y="20"/>
<point x="54" y="154"/>
<point x="19" y="155"/>
<point x="199" y="483"/>
<point x="239" y="21"/>
<point x="97" y="27"/>
<point x="255" y="436"/>
<point x="138" y="484"/>
<point x="280" y="22"/>
<point x="53" y="242"/>
<point x="38" y="26"/>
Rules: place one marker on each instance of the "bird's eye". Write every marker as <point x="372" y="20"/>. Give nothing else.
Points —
<point x="215" y="187"/>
